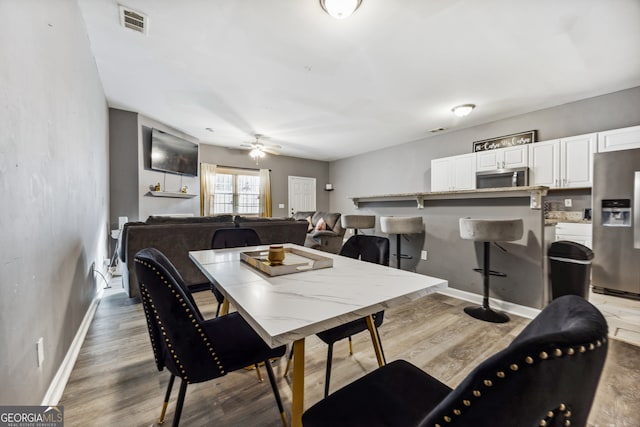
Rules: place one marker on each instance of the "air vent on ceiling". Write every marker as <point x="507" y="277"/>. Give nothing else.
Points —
<point x="134" y="20"/>
<point x="434" y="130"/>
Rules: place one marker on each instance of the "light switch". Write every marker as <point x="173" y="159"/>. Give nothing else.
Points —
<point x="280" y="205"/>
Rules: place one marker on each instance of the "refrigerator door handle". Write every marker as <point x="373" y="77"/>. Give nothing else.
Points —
<point x="636" y="210"/>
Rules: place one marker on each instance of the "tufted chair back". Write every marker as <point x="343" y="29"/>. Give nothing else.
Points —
<point x="548" y="375"/>
<point x="174" y="321"/>
<point x="367" y="248"/>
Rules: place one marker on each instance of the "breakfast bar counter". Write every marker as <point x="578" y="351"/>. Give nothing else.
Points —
<point x="525" y="288"/>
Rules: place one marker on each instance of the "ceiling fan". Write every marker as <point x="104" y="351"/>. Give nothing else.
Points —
<point x="257" y="149"/>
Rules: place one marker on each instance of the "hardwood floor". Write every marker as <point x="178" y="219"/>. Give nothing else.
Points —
<point x="115" y="381"/>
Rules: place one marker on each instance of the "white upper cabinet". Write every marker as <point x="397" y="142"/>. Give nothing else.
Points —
<point x="453" y="173"/>
<point x="619" y="139"/>
<point x="503" y="158"/>
<point x="576" y="160"/>
<point x="544" y="163"/>
<point x="562" y="163"/>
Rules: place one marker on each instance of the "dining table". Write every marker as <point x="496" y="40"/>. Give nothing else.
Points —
<point x="285" y="309"/>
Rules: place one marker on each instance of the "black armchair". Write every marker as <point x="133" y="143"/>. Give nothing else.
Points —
<point x="370" y="249"/>
<point x="547" y="376"/>
<point x="191" y="348"/>
<point x="232" y="238"/>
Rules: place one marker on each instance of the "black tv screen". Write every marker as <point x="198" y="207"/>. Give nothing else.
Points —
<point x="172" y="154"/>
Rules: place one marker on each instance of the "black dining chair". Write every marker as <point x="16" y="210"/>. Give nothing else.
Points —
<point x="235" y="237"/>
<point x="547" y="376"/>
<point x="366" y="248"/>
<point x="191" y="348"/>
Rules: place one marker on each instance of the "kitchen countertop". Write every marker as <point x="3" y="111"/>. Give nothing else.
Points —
<point x="554" y="221"/>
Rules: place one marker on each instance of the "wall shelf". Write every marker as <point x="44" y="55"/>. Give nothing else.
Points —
<point x="176" y="194"/>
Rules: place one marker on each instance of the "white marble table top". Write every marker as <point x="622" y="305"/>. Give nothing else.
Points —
<point x="286" y="308"/>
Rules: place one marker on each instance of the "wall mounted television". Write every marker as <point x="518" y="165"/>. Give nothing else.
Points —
<point x="172" y="154"/>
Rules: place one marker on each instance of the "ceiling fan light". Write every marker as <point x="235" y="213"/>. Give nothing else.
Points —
<point x="463" y="110"/>
<point x="340" y="9"/>
<point x="256" y="154"/>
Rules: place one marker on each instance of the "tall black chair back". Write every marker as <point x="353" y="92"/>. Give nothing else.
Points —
<point x="231" y="238"/>
<point x="547" y="377"/>
<point x="234" y="238"/>
<point x="190" y="347"/>
<point x="367" y="248"/>
<point x="370" y="249"/>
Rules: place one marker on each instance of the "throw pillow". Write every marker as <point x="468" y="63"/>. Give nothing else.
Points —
<point x="310" y="227"/>
<point x="321" y="225"/>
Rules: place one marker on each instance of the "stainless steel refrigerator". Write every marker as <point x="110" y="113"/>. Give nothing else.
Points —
<point x="616" y="223"/>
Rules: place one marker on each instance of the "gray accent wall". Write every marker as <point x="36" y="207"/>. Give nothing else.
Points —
<point x="407" y="168"/>
<point x="53" y="189"/>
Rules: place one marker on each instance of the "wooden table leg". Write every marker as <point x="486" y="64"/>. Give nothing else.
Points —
<point x="297" y="400"/>
<point x="375" y="339"/>
<point x="225" y="307"/>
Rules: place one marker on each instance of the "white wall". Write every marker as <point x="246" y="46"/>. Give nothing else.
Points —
<point x="53" y="188"/>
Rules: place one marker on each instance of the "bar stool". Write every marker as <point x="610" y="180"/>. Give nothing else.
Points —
<point x="487" y="231"/>
<point x="358" y="222"/>
<point x="401" y="225"/>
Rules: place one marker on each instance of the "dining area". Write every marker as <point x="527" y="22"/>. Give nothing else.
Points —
<point x="285" y="309"/>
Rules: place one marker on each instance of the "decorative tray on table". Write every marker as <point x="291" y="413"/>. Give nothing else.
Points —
<point x="295" y="261"/>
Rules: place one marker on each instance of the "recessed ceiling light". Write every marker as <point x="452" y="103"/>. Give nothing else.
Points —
<point x="434" y="130"/>
<point x="463" y="110"/>
<point x="210" y="129"/>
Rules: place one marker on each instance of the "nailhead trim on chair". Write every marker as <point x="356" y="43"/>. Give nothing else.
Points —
<point x="557" y="353"/>
<point x="194" y="321"/>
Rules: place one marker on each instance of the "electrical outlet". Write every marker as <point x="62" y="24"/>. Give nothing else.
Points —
<point x="423" y="255"/>
<point x="40" y="350"/>
<point x="567" y="203"/>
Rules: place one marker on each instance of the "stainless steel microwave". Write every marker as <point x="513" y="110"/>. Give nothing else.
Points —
<point x="517" y="177"/>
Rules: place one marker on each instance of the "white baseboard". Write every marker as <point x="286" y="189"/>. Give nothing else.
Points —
<point x="59" y="381"/>
<point x="509" y="307"/>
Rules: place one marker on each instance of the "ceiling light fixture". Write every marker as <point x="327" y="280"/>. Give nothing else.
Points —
<point x="463" y="110"/>
<point x="340" y="9"/>
<point x="256" y="154"/>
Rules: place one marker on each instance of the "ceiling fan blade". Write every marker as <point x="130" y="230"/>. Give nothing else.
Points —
<point x="248" y="146"/>
<point x="273" y="146"/>
<point x="270" y="151"/>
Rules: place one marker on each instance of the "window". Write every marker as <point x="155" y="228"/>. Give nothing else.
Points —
<point x="237" y="191"/>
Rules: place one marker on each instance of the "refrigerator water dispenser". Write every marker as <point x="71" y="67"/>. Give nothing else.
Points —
<point x="616" y="213"/>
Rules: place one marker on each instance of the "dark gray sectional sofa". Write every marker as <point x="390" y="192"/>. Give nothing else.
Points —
<point x="175" y="237"/>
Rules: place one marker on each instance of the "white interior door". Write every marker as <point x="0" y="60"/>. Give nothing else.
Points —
<point x="302" y="194"/>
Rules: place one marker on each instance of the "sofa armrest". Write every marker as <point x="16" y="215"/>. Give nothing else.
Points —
<point x="321" y="233"/>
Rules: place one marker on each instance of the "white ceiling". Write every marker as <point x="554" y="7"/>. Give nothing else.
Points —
<point x="327" y="89"/>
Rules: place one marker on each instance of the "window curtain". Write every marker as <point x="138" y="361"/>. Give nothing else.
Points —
<point x="207" y="188"/>
<point x="265" y="193"/>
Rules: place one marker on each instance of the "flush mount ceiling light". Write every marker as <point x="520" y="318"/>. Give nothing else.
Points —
<point x="463" y="110"/>
<point x="340" y="9"/>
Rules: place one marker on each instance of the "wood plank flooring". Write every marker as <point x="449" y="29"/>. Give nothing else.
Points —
<point x="115" y="381"/>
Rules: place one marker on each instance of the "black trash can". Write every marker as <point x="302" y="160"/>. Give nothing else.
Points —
<point x="570" y="265"/>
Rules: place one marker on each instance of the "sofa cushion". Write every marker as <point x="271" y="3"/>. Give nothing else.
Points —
<point x="321" y="225"/>
<point x="188" y="219"/>
<point x="331" y="218"/>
